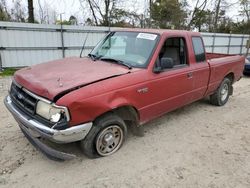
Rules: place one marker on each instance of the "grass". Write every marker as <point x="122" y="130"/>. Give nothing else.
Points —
<point x="8" y="72"/>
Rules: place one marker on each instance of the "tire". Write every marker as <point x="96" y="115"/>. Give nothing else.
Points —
<point x="246" y="73"/>
<point x="220" y="97"/>
<point x="105" y="137"/>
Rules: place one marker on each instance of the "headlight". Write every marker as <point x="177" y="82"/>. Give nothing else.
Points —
<point x="51" y="112"/>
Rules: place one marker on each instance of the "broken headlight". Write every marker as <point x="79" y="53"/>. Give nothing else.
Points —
<point x="51" y="112"/>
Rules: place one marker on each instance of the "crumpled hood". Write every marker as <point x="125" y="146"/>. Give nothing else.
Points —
<point x="56" y="77"/>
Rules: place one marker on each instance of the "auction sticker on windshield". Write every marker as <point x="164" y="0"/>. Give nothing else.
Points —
<point x="147" y="36"/>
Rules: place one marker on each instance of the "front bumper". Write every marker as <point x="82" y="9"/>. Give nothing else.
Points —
<point x="33" y="129"/>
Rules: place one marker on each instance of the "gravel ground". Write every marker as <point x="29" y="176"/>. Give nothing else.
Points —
<point x="199" y="145"/>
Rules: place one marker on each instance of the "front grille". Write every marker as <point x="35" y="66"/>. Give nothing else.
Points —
<point x="23" y="100"/>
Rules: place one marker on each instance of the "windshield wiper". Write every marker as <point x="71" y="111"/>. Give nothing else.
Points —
<point x="120" y="62"/>
<point x="93" y="56"/>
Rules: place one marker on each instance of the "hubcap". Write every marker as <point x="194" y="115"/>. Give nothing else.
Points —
<point x="109" y="140"/>
<point x="224" y="92"/>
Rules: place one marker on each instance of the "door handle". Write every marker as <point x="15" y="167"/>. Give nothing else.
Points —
<point x="190" y="75"/>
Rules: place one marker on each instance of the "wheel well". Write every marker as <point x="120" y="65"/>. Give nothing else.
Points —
<point x="127" y="113"/>
<point x="130" y="116"/>
<point x="230" y="76"/>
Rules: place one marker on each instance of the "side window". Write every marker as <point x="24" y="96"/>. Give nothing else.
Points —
<point x="198" y="49"/>
<point x="174" y="49"/>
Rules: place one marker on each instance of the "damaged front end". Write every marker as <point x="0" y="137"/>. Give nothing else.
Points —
<point x="39" y="118"/>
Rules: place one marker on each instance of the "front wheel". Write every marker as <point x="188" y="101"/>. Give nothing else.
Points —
<point x="220" y="97"/>
<point x="106" y="136"/>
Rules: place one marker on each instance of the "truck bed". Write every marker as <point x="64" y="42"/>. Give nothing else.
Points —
<point x="221" y="65"/>
<point x="217" y="55"/>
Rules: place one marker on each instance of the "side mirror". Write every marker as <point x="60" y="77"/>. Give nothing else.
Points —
<point x="165" y="63"/>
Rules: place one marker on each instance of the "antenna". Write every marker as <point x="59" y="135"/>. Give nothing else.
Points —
<point x="83" y="45"/>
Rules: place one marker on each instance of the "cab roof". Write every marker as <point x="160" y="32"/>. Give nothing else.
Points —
<point x="158" y="31"/>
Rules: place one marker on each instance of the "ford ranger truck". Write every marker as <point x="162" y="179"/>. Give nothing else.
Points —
<point x="131" y="77"/>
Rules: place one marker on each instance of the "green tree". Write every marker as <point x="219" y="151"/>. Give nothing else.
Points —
<point x="4" y="14"/>
<point x="244" y="25"/>
<point x="225" y="25"/>
<point x="199" y="10"/>
<point x="73" y="20"/>
<point x="63" y="22"/>
<point x="201" y="19"/>
<point x="122" y="18"/>
<point x="109" y="13"/>
<point x="169" y="14"/>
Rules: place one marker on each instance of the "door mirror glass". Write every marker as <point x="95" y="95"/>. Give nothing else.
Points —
<point x="167" y="63"/>
<point x="164" y="63"/>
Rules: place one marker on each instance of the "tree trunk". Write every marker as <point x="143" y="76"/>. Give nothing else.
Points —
<point x="150" y="14"/>
<point x="197" y="8"/>
<point x="217" y="11"/>
<point x="93" y="12"/>
<point x="106" y="16"/>
<point x="193" y="13"/>
<point x="31" y="11"/>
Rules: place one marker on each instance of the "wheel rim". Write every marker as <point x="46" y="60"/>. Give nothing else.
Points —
<point x="109" y="140"/>
<point x="224" y="92"/>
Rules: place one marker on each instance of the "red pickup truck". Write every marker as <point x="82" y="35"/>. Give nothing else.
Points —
<point x="131" y="77"/>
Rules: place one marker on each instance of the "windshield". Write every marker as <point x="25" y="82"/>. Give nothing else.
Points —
<point x="132" y="48"/>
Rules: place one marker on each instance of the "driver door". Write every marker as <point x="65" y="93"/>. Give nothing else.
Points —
<point x="172" y="87"/>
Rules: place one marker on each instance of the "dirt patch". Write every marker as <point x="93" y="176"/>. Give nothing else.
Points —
<point x="199" y="145"/>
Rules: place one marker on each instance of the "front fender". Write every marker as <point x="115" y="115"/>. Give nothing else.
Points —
<point x="86" y="110"/>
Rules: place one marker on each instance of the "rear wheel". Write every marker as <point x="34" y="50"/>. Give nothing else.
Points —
<point x="105" y="138"/>
<point x="220" y="97"/>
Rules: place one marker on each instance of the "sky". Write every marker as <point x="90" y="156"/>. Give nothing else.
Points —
<point x="73" y="7"/>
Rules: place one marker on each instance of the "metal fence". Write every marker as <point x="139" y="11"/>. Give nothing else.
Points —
<point x="23" y="44"/>
<point x="225" y="43"/>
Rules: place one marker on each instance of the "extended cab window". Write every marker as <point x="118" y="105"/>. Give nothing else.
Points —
<point x="198" y="49"/>
<point x="173" y="50"/>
